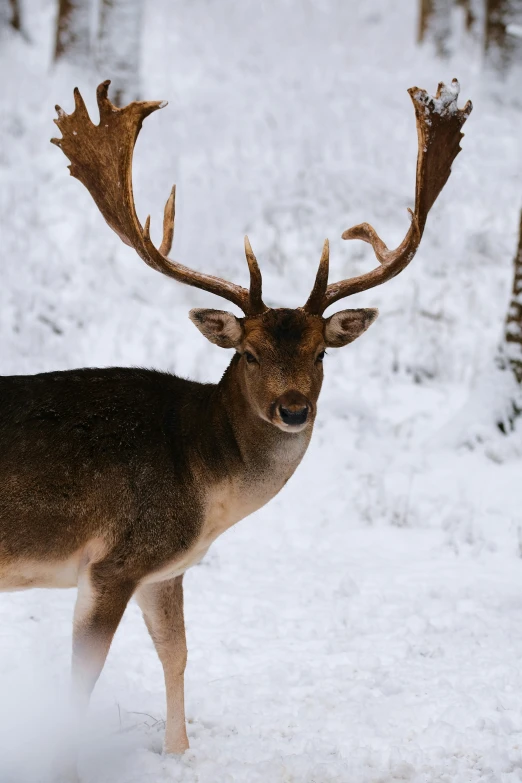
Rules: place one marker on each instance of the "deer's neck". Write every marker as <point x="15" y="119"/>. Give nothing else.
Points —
<point x="250" y="459"/>
<point x="261" y="445"/>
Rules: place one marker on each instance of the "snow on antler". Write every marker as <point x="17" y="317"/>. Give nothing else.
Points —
<point x="444" y="101"/>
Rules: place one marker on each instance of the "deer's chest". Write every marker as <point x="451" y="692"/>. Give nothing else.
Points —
<point x="225" y="504"/>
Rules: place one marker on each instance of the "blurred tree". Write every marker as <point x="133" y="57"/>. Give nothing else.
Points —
<point x="435" y="24"/>
<point x="116" y="52"/>
<point x="513" y="328"/>
<point x="470" y="15"/>
<point x="10" y="14"/>
<point x="73" y="31"/>
<point x="510" y="353"/>
<point x="488" y="21"/>
<point x="436" y="21"/>
<point x="501" y="48"/>
<point x="119" y="47"/>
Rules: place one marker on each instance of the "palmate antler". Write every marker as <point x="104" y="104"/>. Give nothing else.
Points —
<point x="439" y="123"/>
<point x="101" y="158"/>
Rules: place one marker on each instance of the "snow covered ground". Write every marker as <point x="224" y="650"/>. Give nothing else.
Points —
<point x="367" y="624"/>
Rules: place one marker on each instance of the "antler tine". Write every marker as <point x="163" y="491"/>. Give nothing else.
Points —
<point x="169" y="216"/>
<point x="101" y="158"/>
<point x="315" y="299"/>
<point x="439" y="123"/>
<point x="256" y="281"/>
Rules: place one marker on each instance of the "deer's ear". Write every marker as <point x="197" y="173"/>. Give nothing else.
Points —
<point x="344" y="327"/>
<point x="218" y="326"/>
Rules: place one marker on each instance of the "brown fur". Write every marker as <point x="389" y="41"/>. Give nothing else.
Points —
<point x="118" y="480"/>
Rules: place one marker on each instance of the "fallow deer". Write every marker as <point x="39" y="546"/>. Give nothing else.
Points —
<point x="118" y="480"/>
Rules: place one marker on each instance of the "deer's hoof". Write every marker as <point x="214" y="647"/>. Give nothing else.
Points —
<point x="176" y="746"/>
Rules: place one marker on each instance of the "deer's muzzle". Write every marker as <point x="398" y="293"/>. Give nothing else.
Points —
<point x="291" y="411"/>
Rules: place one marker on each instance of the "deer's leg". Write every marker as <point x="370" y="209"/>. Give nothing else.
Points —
<point x="162" y="607"/>
<point x="102" y="598"/>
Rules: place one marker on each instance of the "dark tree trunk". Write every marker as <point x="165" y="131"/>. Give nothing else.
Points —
<point x="119" y="47"/>
<point x="509" y="357"/>
<point x="10" y="14"/>
<point x="470" y="16"/>
<point x="16" y="18"/>
<point x="513" y="327"/>
<point x="73" y="31"/>
<point x="497" y="44"/>
<point x="435" y="24"/>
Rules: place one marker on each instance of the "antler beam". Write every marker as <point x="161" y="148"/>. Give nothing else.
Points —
<point x="101" y="158"/>
<point x="439" y="123"/>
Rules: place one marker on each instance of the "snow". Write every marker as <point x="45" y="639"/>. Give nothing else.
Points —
<point x="444" y="103"/>
<point x="515" y="30"/>
<point x="365" y="626"/>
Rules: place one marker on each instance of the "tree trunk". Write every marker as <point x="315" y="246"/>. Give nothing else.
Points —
<point x="119" y="47"/>
<point x="502" y="49"/>
<point x="513" y="327"/>
<point x="509" y="357"/>
<point x="435" y="24"/>
<point x="469" y="13"/>
<point x="10" y="14"/>
<point x="73" y="31"/>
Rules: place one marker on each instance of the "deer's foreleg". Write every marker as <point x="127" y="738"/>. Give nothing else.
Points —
<point x="102" y="598"/>
<point x="162" y="607"/>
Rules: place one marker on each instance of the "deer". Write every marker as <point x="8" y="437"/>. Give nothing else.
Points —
<point x="117" y="480"/>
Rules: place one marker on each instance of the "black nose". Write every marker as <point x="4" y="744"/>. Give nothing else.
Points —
<point x="293" y="416"/>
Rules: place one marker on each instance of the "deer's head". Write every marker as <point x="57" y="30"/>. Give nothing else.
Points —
<point x="279" y="352"/>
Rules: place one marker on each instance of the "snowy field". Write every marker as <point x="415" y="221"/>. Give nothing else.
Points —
<point x="365" y="626"/>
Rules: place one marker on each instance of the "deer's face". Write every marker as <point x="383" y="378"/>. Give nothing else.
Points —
<point x="280" y="356"/>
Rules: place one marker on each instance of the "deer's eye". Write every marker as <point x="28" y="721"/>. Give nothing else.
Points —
<point x="251" y="359"/>
<point x="320" y="356"/>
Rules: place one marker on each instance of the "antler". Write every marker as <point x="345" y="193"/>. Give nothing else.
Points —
<point x="439" y="121"/>
<point x="101" y="158"/>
